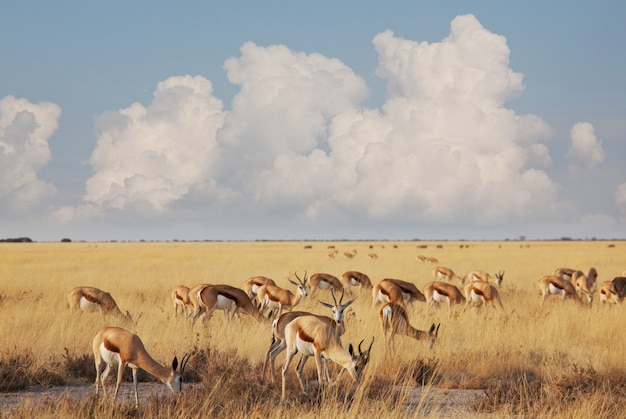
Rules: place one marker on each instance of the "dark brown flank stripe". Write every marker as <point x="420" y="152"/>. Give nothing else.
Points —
<point x="111" y="347"/>
<point x="227" y="295"/>
<point x="478" y="291"/>
<point x="302" y="334"/>
<point x="556" y="285"/>
<point x="442" y="292"/>
<point x="178" y="297"/>
<point x="91" y="298"/>
<point x="384" y="291"/>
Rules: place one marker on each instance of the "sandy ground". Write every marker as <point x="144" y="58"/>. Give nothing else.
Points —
<point x="423" y="401"/>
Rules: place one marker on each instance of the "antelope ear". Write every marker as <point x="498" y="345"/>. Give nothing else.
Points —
<point x="325" y="304"/>
<point x="293" y="282"/>
<point x="351" y="350"/>
<point x="175" y="363"/>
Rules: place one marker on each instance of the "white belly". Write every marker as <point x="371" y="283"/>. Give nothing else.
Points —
<point x="88" y="306"/>
<point x="324" y="285"/>
<point x="477" y="298"/>
<point x="304" y="347"/>
<point x="440" y="298"/>
<point x="354" y="282"/>
<point x="224" y="303"/>
<point x="555" y="290"/>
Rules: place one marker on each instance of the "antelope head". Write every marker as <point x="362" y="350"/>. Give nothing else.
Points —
<point x="338" y="308"/>
<point x="301" y="284"/>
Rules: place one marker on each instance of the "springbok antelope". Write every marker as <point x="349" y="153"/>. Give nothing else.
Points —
<point x="372" y="256"/>
<point x="180" y="298"/>
<point x="116" y="346"/>
<point x="278" y="331"/>
<point x="230" y="299"/>
<point x="311" y="336"/>
<point x="613" y="291"/>
<point x="481" y="293"/>
<point x="90" y="299"/>
<point x="324" y="281"/>
<point x="396" y="291"/>
<point x="349" y="255"/>
<point x="582" y="286"/>
<point x="555" y="285"/>
<point x="441" y="273"/>
<point x="394" y="320"/>
<point x="252" y="284"/>
<point x="485" y="277"/>
<point x="272" y="296"/>
<point x="194" y="300"/>
<point x="356" y="279"/>
<point x="438" y="292"/>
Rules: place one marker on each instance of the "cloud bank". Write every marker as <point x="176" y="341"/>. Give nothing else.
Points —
<point x="298" y="141"/>
<point x="24" y="132"/>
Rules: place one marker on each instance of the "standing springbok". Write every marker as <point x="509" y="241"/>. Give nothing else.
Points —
<point x="441" y="273"/>
<point x="272" y="296"/>
<point x="356" y="279"/>
<point x="324" y="281"/>
<point x="230" y="299"/>
<point x="555" y="285"/>
<point x="613" y="291"/>
<point x="90" y="300"/>
<point x="438" y="292"/>
<point x="394" y="320"/>
<point x="481" y="293"/>
<point x="278" y="331"/>
<point x="311" y="336"/>
<point x="180" y="298"/>
<point x="116" y="346"/>
<point x="397" y="291"/>
<point x="584" y="287"/>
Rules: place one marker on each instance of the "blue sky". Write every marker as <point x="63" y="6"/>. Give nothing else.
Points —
<point x="325" y="120"/>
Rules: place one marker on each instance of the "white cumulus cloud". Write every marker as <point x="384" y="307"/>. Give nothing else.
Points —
<point x="585" y="149"/>
<point x="298" y="141"/>
<point x="25" y="129"/>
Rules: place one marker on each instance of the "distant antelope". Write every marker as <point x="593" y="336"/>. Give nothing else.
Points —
<point x="427" y="259"/>
<point x="613" y="291"/>
<point x="555" y="285"/>
<point x="372" y="256"/>
<point x="116" y="346"/>
<point x="253" y="283"/>
<point x="439" y="292"/>
<point x="441" y="273"/>
<point x="397" y="291"/>
<point x="230" y="299"/>
<point x="313" y="337"/>
<point x="324" y="281"/>
<point x="273" y="296"/>
<point x="485" y="277"/>
<point x="349" y="255"/>
<point x="356" y="279"/>
<point x="395" y="320"/>
<point x="481" y="293"/>
<point x="180" y="299"/>
<point x="90" y="299"/>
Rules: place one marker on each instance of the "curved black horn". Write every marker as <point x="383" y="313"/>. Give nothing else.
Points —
<point x="332" y="292"/>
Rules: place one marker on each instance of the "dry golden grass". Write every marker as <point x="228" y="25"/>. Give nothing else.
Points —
<point x="531" y="360"/>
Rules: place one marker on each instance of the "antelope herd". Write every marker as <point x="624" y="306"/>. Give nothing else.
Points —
<point x="318" y="335"/>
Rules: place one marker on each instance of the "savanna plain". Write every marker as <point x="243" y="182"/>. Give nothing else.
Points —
<point x="559" y="360"/>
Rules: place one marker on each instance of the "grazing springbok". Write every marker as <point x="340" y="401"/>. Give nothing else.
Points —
<point x="115" y="346"/>
<point x="278" y="331"/>
<point x="584" y="287"/>
<point x="272" y="296"/>
<point x="397" y="291"/>
<point x="180" y="299"/>
<point x="481" y="293"/>
<point x="312" y="336"/>
<point x="194" y="300"/>
<point x="439" y="292"/>
<point x="394" y="320"/>
<point x="485" y="277"/>
<point x="613" y="291"/>
<point x="356" y="279"/>
<point x="324" y="281"/>
<point x="555" y="285"/>
<point x="231" y="300"/>
<point x="252" y="284"/>
<point x="90" y="300"/>
<point x="441" y="273"/>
